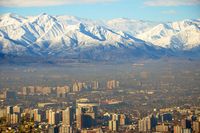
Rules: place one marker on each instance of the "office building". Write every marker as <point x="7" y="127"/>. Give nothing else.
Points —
<point x="78" y="86"/>
<point x="17" y="109"/>
<point x="62" y="91"/>
<point x="67" y="116"/>
<point x="10" y="95"/>
<point x="196" y="126"/>
<point x="65" y="129"/>
<point x="185" y="123"/>
<point x="144" y="124"/>
<point x="177" y="129"/>
<point x="95" y="85"/>
<point x="186" y="130"/>
<point x="113" y="125"/>
<point x="122" y="119"/>
<point x="14" y="118"/>
<point x="85" y="115"/>
<point x="112" y="84"/>
<point x="53" y="129"/>
<point x="9" y="109"/>
<point x="54" y="117"/>
<point x="162" y="128"/>
<point x="38" y="115"/>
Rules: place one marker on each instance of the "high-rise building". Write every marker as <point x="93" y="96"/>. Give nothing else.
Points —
<point x="9" y="112"/>
<point x="186" y="130"/>
<point x="53" y="117"/>
<point x="177" y="129"/>
<point x="14" y="118"/>
<point x="110" y="125"/>
<point x="78" y="117"/>
<point x="42" y="90"/>
<point x="185" y="123"/>
<point x="78" y="86"/>
<point x="2" y="112"/>
<point x="144" y="124"/>
<point x="62" y="91"/>
<point x="111" y="84"/>
<point x="53" y="129"/>
<point x="85" y="115"/>
<point x="67" y="116"/>
<point x="32" y="90"/>
<point x="113" y="125"/>
<point x="38" y="115"/>
<point x="9" y="109"/>
<point x="10" y="95"/>
<point x="12" y="115"/>
<point x="154" y="122"/>
<point x="65" y="129"/>
<point x="45" y="90"/>
<point x="25" y="91"/>
<point x="17" y="109"/>
<point x="94" y="130"/>
<point x="95" y="85"/>
<point x="196" y="126"/>
<point x="162" y="128"/>
<point x="122" y="119"/>
<point x="115" y="117"/>
<point x="35" y="115"/>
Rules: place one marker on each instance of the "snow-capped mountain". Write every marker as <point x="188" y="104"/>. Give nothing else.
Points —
<point x="131" y="26"/>
<point x="183" y="35"/>
<point x="69" y="36"/>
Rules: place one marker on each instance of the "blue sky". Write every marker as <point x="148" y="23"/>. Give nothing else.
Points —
<point x="154" y="10"/>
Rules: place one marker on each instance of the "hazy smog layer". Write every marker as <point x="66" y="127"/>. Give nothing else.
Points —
<point x="183" y="73"/>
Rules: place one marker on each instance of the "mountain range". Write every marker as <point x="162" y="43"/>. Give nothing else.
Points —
<point x="72" y="37"/>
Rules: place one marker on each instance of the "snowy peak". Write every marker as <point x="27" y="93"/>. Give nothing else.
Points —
<point x="11" y="19"/>
<point x="129" y="25"/>
<point x="47" y="35"/>
<point x="182" y="35"/>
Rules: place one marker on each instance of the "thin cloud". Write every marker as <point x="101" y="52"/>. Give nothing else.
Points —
<point x="41" y="3"/>
<point x="171" y="2"/>
<point x="169" y="12"/>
